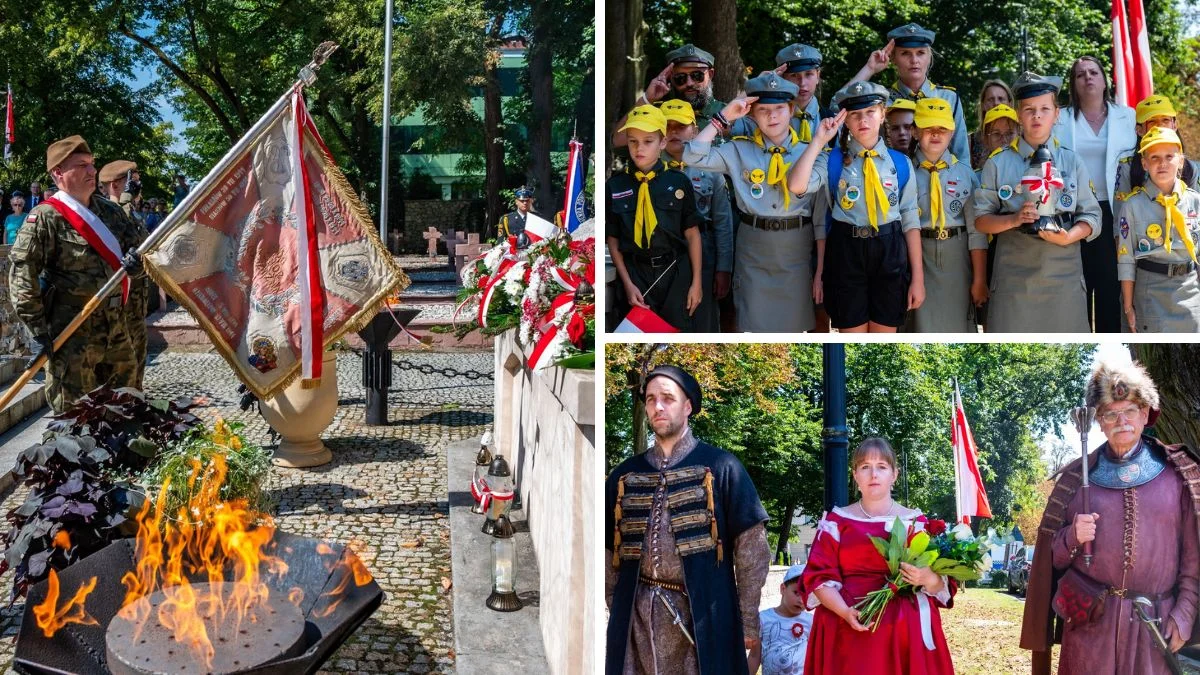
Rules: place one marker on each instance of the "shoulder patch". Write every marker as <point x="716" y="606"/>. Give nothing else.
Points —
<point x="31" y="218"/>
<point x="1124" y="160"/>
<point x="740" y="138"/>
<point x="997" y="151"/>
<point x="942" y="86"/>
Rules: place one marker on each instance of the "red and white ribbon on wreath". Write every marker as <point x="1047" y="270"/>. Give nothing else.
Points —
<point x="490" y="496"/>
<point x="1041" y="185"/>
<point x="541" y="357"/>
<point x="312" y="294"/>
<point x="89" y="226"/>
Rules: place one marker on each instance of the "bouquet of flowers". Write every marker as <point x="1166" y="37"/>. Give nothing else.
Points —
<point x="545" y="290"/>
<point x="955" y="553"/>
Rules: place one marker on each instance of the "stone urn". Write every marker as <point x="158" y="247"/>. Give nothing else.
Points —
<point x="301" y="415"/>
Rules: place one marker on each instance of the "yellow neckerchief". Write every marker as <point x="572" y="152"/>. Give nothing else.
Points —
<point x="676" y="164"/>
<point x="1175" y="219"/>
<point x="805" y="124"/>
<point x="937" y="215"/>
<point x="913" y="94"/>
<point x="777" y="171"/>
<point x="645" y="218"/>
<point x="876" y="196"/>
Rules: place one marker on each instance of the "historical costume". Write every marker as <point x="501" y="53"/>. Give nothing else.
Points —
<point x="909" y="637"/>
<point x="1146" y="546"/>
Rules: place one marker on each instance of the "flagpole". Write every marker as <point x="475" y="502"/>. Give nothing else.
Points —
<point x="307" y="75"/>
<point x="387" y="124"/>
<point x="958" y="507"/>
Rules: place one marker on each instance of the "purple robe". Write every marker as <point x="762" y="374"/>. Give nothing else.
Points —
<point x="1165" y="560"/>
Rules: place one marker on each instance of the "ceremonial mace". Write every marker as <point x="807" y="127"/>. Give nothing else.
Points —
<point x="1083" y="416"/>
<point x="307" y="75"/>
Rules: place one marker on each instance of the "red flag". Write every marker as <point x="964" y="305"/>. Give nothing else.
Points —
<point x="640" y="320"/>
<point x="1143" y="80"/>
<point x="969" y="495"/>
<point x="1132" y="81"/>
<point x="10" y="127"/>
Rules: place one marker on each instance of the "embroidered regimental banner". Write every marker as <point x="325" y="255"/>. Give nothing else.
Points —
<point x="277" y="258"/>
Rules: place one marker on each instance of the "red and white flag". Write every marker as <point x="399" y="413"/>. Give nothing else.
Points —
<point x="641" y="320"/>
<point x="10" y="126"/>
<point x="1132" y="79"/>
<point x="538" y="228"/>
<point x="969" y="496"/>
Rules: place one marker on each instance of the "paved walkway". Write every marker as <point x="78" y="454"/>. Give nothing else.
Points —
<point x="385" y="493"/>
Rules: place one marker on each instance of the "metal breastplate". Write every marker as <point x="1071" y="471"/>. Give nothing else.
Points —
<point x="1137" y="468"/>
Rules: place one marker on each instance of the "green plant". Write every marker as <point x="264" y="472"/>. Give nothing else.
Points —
<point x="999" y="579"/>
<point x="130" y="426"/>
<point x="74" y="509"/>
<point x="182" y="467"/>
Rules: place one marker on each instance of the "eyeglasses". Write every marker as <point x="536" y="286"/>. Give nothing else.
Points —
<point x="1113" y="416"/>
<point x="681" y="79"/>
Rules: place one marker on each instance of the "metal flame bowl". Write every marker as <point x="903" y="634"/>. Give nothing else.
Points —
<point x="82" y="649"/>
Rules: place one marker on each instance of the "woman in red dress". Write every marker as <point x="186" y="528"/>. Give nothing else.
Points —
<point x="844" y="566"/>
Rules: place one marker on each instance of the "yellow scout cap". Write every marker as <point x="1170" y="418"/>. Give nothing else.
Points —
<point x="116" y="170"/>
<point x="59" y="151"/>
<point x="646" y="118"/>
<point x="678" y="110"/>
<point x="1159" y="136"/>
<point x="1154" y="106"/>
<point x="933" y="112"/>
<point x="902" y="104"/>
<point x="1000" y="111"/>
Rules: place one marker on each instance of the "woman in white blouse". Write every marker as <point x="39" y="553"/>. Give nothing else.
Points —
<point x="1100" y="132"/>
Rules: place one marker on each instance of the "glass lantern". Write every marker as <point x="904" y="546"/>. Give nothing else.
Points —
<point x="504" y="568"/>
<point x="499" y="497"/>
<point x="479" y="483"/>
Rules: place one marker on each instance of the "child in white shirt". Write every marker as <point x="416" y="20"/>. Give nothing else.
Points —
<point x="783" y="631"/>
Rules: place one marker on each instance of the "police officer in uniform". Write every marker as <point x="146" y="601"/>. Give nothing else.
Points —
<point x="653" y="225"/>
<point x="103" y="350"/>
<point x="910" y="49"/>
<point x="512" y="223"/>
<point x="1037" y="280"/>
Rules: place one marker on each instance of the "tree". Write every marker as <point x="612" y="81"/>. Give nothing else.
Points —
<point x="1175" y="369"/>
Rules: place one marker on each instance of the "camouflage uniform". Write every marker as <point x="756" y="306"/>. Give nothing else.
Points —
<point x="110" y="346"/>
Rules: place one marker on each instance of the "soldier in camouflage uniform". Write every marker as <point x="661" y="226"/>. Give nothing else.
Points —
<point x="121" y="182"/>
<point x="49" y="249"/>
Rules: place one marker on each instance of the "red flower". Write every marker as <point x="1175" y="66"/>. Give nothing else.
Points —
<point x="893" y="587"/>
<point x="797" y="630"/>
<point x="576" y="329"/>
<point x="935" y="527"/>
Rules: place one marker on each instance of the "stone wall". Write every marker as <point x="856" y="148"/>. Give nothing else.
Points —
<point x="545" y="425"/>
<point x="14" y="338"/>
<point x="445" y="215"/>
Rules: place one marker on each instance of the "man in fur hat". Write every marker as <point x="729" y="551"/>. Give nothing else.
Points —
<point x="1142" y="525"/>
<point x="680" y="517"/>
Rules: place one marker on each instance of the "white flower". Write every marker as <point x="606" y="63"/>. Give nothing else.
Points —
<point x="491" y="261"/>
<point x="962" y="532"/>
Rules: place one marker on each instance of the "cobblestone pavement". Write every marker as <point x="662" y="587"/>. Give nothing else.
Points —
<point x="384" y="493"/>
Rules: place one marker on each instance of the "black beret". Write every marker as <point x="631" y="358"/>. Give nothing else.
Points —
<point x="691" y="388"/>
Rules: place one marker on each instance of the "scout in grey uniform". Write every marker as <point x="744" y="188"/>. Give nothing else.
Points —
<point x="1153" y="111"/>
<point x="953" y="274"/>
<point x="1158" y="226"/>
<point x="872" y="272"/>
<point x="716" y="215"/>
<point x="801" y="65"/>
<point x="772" y="273"/>
<point x="913" y="61"/>
<point x="1037" y="280"/>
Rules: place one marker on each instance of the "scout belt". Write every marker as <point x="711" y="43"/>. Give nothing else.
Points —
<point x="947" y="233"/>
<point x="662" y="260"/>
<point x="772" y="224"/>
<point x="867" y="232"/>
<point x="1170" y="269"/>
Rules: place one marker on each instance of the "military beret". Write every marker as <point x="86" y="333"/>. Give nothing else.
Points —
<point x="524" y="192"/>
<point x="798" y="58"/>
<point x="858" y="95"/>
<point x="771" y="88"/>
<point x="690" y="54"/>
<point x="116" y="170"/>
<point x="59" y="151"/>
<point x="912" y="35"/>
<point x="1030" y="84"/>
<point x="691" y="388"/>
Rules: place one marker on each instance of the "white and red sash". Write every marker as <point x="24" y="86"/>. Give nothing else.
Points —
<point x="90" y="227"/>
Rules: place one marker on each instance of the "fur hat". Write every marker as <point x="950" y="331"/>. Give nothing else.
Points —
<point x="1110" y="383"/>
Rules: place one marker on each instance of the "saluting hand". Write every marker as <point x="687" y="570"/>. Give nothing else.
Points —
<point x="828" y="128"/>
<point x="660" y="86"/>
<point x="781" y="69"/>
<point x="738" y="108"/>
<point x="880" y="59"/>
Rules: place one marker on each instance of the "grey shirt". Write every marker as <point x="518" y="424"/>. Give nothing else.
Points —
<point x="850" y="202"/>
<point x="747" y="164"/>
<point x="712" y="202"/>
<point x="958" y="183"/>
<point x="1000" y="190"/>
<point x="1142" y="229"/>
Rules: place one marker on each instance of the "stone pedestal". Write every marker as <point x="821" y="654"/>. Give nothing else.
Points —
<point x="545" y="425"/>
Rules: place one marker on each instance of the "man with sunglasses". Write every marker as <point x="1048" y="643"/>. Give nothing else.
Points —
<point x="1141" y="526"/>
<point x="688" y="77"/>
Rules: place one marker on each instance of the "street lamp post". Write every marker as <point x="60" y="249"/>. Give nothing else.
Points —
<point x="387" y="122"/>
<point x="835" y="438"/>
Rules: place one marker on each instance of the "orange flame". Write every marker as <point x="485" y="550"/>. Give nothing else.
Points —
<point x="50" y="618"/>
<point x="351" y="568"/>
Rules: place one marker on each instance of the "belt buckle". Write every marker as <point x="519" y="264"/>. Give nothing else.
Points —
<point x="943" y="234"/>
<point x="861" y="232"/>
<point x="1177" y="269"/>
<point x="774" y="224"/>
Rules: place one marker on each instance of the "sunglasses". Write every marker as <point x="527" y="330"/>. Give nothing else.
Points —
<point x="681" y="79"/>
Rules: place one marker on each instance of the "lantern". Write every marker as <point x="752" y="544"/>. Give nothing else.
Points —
<point x="478" y="481"/>
<point x="499" y="496"/>
<point x="1043" y="185"/>
<point x="504" y="568"/>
